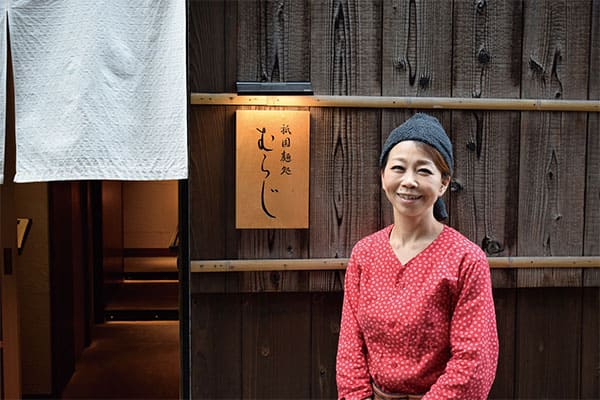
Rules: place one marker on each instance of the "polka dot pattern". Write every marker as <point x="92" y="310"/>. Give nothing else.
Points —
<point x="425" y="327"/>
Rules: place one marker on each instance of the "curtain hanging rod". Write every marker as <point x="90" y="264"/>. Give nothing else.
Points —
<point x="436" y="103"/>
<point x="318" y="264"/>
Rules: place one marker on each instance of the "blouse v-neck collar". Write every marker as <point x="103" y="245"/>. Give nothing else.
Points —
<point x="427" y="249"/>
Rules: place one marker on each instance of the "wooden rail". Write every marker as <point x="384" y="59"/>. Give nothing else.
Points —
<point x="320" y="264"/>
<point x="441" y="103"/>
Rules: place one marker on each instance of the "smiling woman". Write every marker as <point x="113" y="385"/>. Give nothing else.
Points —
<point x="418" y="293"/>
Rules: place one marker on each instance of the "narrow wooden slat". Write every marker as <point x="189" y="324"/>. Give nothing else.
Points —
<point x="590" y="344"/>
<point x="276" y="345"/>
<point x="416" y="53"/>
<point x="553" y="145"/>
<point x="435" y="103"/>
<point x="315" y="264"/>
<point x="505" y="304"/>
<point x="325" y="328"/>
<point x="345" y="61"/>
<point x="486" y="57"/>
<point x="217" y="346"/>
<point x="548" y="345"/>
<point x="273" y="41"/>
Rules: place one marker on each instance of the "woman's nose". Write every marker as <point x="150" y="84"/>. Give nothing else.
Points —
<point x="409" y="180"/>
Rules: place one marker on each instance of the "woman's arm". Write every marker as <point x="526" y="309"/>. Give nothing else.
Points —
<point x="353" y="380"/>
<point x="470" y="372"/>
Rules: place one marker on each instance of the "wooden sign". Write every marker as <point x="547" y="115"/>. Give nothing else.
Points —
<point x="272" y="169"/>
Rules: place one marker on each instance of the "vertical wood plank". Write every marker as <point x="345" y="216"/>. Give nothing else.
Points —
<point x="274" y="41"/>
<point x="216" y="332"/>
<point x="551" y="186"/>
<point x="211" y="46"/>
<point x="345" y="60"/>
<point x="211" y="180"/>
<point x="346" y="48"/>
<point x="590" y="349"/>
<point x="276" y="345"/>
<point x="417" y="55"/>
<point x="505" y="305"/>
<point x="548" y="343"/>
<point x="325" y="330"/>
<point x="590" y="346"/>
<point x="345" y="188"/>
<point x="487" y="39"/>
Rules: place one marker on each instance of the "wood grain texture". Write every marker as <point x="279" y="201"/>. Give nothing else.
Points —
<point x="590" y="347"/>
<point x="591" y="242"/>
<point x="590" y="344"/>
<point x="346" y="47"/>
<point x="273" y="41"/>
<point x="216" y="342"/>
<point x="326" y="315"/>
<point x="212" y="36"/>
<point x="276" y="345"/>
<point x="211" y="175"/>
<point x="551" y="186"/>
<point x="548" y="344"/>
<point x="486" y="37"/>
<point x="416" y="59"/>
<point x="506" y="306"/>
<point x="344" y="177"/>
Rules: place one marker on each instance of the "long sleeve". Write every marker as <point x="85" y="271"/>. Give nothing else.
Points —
<point x="470" y="372"/>
<point x="353" y="380"/>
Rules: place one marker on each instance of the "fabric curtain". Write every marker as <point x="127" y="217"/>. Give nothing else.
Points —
<point x="100" y="89"/>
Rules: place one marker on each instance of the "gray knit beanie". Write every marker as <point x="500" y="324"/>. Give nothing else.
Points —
<point x="427" y="129"/>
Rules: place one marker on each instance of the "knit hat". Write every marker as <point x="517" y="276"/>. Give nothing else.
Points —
<point x="427" y="129"/>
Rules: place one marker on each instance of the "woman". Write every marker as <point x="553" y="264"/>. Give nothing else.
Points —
<point x="418" y="318"/>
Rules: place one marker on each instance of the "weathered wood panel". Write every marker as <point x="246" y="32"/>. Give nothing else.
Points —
<point x="552" y="149"/>
<point x="212" y="65"/>
<point x="590" y="344"/>
<point x="276" y="345"/>
<point x="416" y="59"/>
<point x="590" y="347"/>
<point x="487" y="42"/>
<point x="216" y="326"/>
<point x="273" y="41"/>
<point x="505" y="304"/>
<point x="548" y="343"/>
<point x="326" y="315"/>
<point x="346" y="47"/>
<point x="212" y="166"/>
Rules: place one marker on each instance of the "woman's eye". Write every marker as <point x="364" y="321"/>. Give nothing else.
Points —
<point x="425" y="171"/>
<point x="397" y="168"/>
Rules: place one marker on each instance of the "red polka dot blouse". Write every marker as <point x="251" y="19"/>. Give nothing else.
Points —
<point x="427" y="327"/>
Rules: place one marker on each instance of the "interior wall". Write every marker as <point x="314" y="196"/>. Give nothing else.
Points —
<point x="31" y="201"/>
<point x="149" y="214"/>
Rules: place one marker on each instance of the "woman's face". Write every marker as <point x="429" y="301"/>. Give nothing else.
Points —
<point x="411" y="181"/>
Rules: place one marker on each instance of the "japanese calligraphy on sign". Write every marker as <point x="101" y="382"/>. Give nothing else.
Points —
<point x="272" y="169"/>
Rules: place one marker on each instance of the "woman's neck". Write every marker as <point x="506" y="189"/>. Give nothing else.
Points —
<point x="408" y="231"/>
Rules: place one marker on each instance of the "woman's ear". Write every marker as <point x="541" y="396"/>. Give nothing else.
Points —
<point x="444" y="186"/>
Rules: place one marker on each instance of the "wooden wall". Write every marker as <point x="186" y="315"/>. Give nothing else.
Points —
<point x="526" y="183"/>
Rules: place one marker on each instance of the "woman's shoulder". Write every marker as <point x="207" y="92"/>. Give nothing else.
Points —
<point x="462" y="246"/>
<point x="374" y="239"/>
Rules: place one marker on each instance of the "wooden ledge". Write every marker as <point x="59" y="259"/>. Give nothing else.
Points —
<point x="437" y="103"/>
<point x="333" y="264"/>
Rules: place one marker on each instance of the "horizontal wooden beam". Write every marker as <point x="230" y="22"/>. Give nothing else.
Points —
<point x="320" y="264"/>
<point x="438" y="103"/>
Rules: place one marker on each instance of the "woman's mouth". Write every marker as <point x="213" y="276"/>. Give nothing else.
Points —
<point x="404" y="196"/>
